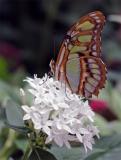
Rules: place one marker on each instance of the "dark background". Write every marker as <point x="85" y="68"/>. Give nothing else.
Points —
<point x="31" y="31"/>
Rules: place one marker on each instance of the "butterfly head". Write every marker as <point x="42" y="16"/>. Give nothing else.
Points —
<point x="67" y="38"/>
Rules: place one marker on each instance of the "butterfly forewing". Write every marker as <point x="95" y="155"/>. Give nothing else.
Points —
<point x="86" y="33"/>
<point x="79" y="63"/>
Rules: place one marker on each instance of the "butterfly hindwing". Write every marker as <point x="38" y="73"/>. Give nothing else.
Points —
<point x="85" y="75"/>
<point x="93" y="76"/>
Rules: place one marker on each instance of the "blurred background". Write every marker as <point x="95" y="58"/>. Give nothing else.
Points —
<point x="31" y="32"/>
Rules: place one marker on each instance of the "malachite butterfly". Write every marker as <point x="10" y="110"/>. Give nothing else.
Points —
<point x="79" y="63"/>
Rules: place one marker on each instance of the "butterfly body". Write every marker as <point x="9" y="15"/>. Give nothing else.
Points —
<point x="79" y="63"/>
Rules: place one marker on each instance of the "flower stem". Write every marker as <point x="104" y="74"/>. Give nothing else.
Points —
<point x="27" y="152"/>
<point x="8" y="147"/>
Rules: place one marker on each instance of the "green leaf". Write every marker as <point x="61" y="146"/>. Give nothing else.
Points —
<point x="112" y="154"/>
<point x="115" y="100"/>
<point x="111" y="149"/>
<point x="113" y="97"/>
<point x="4" y="73"/>
<point x="21" y="144"/>
<point x="109" y="141"/>
<point x="7" y="91"/>
<point x="23" y="130"/>
<point x="115" y="127"/>
<point x="102" y="125"/>
<point x="40" y="154"/>
<point x="75" y="153"/>
<point x="105" y="93"/>
<point x="18" y="76"/>
<point x="64" y="153"/>
<point x="14" y="114"/>
<point x="14" y="117"/>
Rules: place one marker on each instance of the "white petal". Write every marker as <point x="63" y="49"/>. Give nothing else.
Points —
<point x="58" y="141"/>
<point x="47" y="130"/>
<point x="37" y="126"/>
<point x="67" y="128"/>
<point x="26" y="108"/>
<point x="48" y="139"/>
<point x="79" y="137"/>
<point x="22" y="93"/>
<point x="67" y="144"/>
<point x="26" y="117"/>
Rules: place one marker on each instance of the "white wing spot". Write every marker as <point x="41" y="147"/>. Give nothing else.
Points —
<point x="95" y="38"/>
<point x="96" y="17"/>
<point x="94" y="47"/>
<point x="92" y="14"/>
<point x="95" y="31"/>
<point x="91" y="61"/>
<point x="98" y="21"/>
<point x="98" y="26"/>
<point x="94" y="53"/>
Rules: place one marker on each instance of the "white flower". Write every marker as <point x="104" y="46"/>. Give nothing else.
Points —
<point x="88" y="140"/>
<point x="61" y="137"/>
<point x="63" y="116"/>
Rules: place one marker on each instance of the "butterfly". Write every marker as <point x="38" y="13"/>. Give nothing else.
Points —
<point x="79" y="63"/>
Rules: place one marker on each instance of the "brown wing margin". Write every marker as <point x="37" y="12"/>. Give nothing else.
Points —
<point x="97" y="20"/>
<point x="93" y="76"/>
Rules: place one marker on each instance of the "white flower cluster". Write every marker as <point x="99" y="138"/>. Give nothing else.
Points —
<point x="63" y="116"/>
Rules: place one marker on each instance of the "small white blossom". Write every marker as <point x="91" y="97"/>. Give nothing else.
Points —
<point x="63" y="116"/>
<point x="22" y="93"/>
<point x="88" y="140"/>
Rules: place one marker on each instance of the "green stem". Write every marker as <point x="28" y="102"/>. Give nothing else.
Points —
<point x="27" y="152"/>
<point x="8" y="147"/>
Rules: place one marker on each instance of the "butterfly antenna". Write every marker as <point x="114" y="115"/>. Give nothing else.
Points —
<point x="54" y="48"/>
<point x="52" y="62"/>
<point x="54" y="45"/>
